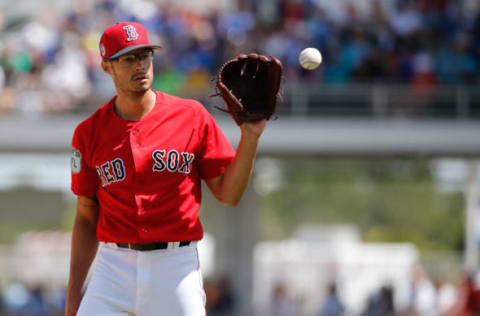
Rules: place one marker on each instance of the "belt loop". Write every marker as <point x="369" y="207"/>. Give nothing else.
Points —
<point x="173" y="244"/>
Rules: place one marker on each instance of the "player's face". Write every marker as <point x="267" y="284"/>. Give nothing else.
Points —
<point x="133" y="72"/>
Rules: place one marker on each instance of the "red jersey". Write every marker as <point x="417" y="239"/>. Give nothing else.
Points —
<point x="146" y="174"/>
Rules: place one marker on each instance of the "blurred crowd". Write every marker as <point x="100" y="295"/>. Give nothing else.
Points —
<point x="22" y="299"/>
<point x="50" y="62"/>
<point x="427" y="298"/>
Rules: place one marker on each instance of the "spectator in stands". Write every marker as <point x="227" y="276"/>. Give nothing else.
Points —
<point x="281" y="304"/>
<point x="332" y="305"/>
<point x="220" y="297"/>
<point x="381" y="303"/>
<point x="423" y="300"/>
<point x="468" y="298"/>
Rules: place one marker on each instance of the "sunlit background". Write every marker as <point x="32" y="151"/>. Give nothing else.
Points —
<point x="365" y="196"/>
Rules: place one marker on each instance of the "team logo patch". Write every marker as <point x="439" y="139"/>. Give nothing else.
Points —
<point x="102" y="50"/>
<point x="76" y="161"/>
<point x="131" y="32"/>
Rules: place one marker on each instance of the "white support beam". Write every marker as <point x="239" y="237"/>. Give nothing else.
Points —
<point x="472" y="196"/>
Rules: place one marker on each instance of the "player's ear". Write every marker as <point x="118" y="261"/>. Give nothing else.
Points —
<point x="107" y="67"/>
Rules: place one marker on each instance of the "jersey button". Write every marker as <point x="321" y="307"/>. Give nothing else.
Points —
<point x="145" y="230"/>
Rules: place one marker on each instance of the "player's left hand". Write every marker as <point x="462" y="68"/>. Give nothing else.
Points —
<point x="249" y="85"/>
<point x="253" y="128"/>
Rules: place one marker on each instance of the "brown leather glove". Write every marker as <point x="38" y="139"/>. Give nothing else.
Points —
<point x="249" y="85"/>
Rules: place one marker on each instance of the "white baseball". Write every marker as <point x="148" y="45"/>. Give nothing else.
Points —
<point x="310" y="58"/>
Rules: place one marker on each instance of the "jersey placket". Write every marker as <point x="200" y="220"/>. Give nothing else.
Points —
<point x="137" y="157"/>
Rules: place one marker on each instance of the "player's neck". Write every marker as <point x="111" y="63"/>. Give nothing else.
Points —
<point x="134" y="107"/>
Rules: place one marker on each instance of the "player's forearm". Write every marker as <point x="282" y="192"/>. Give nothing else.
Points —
<point x="84" y="248"/>
<point x="238" y="173"/>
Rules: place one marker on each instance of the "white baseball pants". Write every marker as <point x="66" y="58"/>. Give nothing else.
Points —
<point x="165" y="282"/>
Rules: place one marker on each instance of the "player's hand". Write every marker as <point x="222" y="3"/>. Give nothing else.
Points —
<point x="254" y="129"/>
<point x="72" y="303"/>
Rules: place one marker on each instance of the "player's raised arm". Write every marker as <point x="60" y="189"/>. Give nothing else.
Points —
<point x="229" y="187"/>
<point x="249" y="85"/>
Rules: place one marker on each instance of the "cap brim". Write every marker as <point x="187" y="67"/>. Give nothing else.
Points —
<point x="128" y="49"/>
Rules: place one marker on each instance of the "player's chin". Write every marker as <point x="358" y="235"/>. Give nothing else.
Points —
<point x="142" y="86"/>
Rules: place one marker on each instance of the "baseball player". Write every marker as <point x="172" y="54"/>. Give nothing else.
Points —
<point x="137" y="165"/>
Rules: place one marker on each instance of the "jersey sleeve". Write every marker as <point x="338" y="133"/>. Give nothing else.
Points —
<point x="84" y="177"/>
<point x="216" y="152"/>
